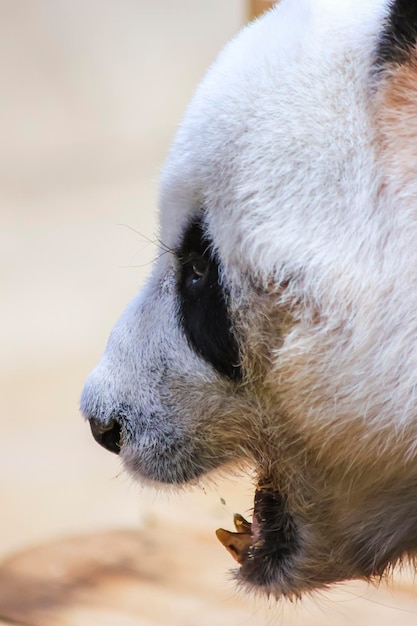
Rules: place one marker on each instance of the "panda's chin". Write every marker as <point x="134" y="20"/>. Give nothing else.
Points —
<point x="264" y="547"/>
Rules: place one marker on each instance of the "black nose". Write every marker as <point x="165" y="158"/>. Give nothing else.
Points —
<point x="107" y="435"/>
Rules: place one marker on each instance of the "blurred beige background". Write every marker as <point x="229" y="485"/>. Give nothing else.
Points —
<point x="91" y="94"/>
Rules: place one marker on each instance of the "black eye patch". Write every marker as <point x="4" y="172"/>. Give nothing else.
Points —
<point x="203" y="303"/>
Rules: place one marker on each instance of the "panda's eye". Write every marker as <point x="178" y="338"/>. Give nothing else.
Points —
<point x="196" y="270"/>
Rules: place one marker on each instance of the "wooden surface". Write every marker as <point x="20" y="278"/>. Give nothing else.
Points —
<point x="168" y="576"/>
<point x="257" y="7"/>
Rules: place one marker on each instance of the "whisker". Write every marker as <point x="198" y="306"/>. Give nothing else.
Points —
<point x="141" y="266"/>
<point x="155" y="242"/>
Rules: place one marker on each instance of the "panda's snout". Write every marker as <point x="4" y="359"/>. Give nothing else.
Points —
<point x="107" y="434"/>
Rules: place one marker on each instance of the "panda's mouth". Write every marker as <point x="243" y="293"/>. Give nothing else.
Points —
<point x="262" y="547"/>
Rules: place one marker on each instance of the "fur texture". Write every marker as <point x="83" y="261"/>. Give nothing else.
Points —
<point x="297" y="157"/>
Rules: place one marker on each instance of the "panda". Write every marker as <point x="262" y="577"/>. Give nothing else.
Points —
<point x="278" y="328"/>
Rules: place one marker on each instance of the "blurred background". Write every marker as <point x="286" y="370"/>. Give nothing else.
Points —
<point x="91" y="94"/>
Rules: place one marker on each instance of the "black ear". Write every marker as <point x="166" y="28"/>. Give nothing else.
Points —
<point x="399" y="36"/>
